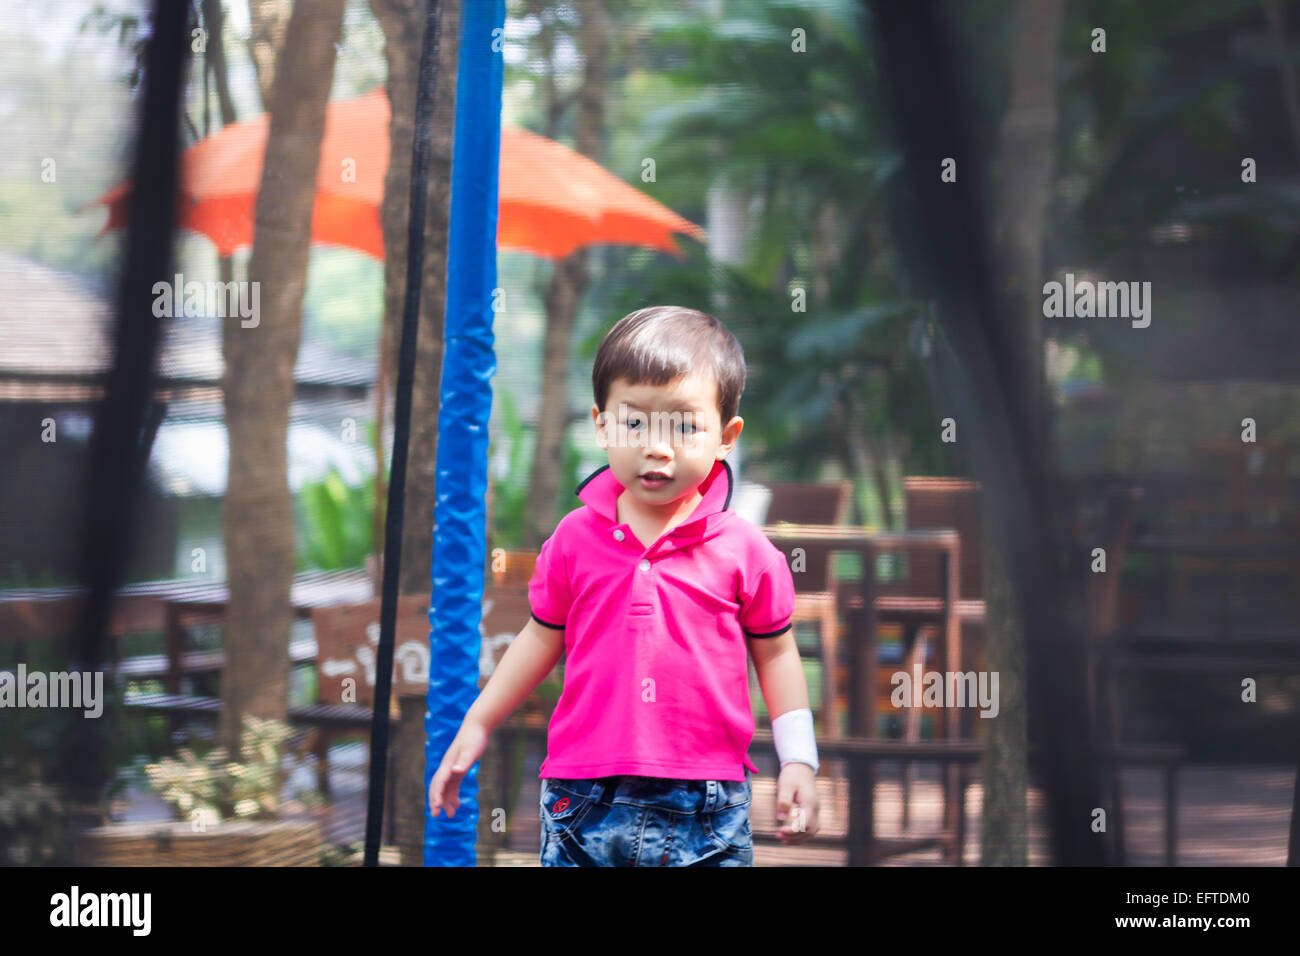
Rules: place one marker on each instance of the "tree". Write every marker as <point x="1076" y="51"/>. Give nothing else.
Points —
<point x="267" y="20"/>
<point x="259" y="384"/>
<point x="1025" y="168"/>
<point x="403" y="25"/>
<point x="773" y="107"/>
<point x="569" y="277"/>
<point x="215" y="61"/>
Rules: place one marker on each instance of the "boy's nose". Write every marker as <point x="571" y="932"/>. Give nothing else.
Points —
<point x="660" y="448"/>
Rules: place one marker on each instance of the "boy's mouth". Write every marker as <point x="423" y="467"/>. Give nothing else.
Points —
<point x="653" y="479"/>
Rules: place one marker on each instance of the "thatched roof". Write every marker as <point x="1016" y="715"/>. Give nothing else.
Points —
<point x="59" y="328"/>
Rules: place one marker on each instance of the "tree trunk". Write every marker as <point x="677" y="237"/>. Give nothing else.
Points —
<point x="1286" y="70"/>
<point x="216" y="59"/>
<point x="267" y="20"/>
<point x="1024" y="163"/>
<point x="258" y="385"/>
<point x="727" y="212"/>
<point x="827" y="254"/>
<point x="568" y="281"/>
<point x="865" y="468"/>
<point x="562" y="298"/>
<point x="213" y="20"/>
<point x="403" y="24"/>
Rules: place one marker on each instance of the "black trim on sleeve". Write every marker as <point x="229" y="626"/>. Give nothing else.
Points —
<point x="557" y="627"/>
<point x="777" y="633"/>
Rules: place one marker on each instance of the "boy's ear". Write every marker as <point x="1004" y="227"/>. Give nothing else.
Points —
<point x="730" y="435"/>
<point x="598" y="417"/>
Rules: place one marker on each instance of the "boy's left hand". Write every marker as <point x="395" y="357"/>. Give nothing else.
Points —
<point x="796" y="803"/>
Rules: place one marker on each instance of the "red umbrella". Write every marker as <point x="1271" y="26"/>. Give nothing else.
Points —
<point x="552" y="199"/>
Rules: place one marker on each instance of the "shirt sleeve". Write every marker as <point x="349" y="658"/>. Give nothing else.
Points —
<point x="549" y="596"/>
<point x="768" y="606"/>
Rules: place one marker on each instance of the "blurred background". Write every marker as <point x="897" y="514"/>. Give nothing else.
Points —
<point x="1154" y="145"/>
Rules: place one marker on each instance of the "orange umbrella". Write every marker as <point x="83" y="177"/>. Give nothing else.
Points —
<point x="552" y="200"/>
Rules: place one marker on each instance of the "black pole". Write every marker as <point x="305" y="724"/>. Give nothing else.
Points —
<point x="943" y="229"/>
<point x="420" y="158"/>
<point x="120" y="442"/>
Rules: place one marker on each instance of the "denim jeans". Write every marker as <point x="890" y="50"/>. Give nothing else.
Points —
<point x="646" y="821"/>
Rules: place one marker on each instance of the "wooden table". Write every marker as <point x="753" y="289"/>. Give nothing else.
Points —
<point x="867" y="608"/>
<point x="864" y="611"/>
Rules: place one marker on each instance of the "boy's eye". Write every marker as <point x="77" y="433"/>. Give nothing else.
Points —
<point x="634" y="422"/>
<point x="689" y="427"/>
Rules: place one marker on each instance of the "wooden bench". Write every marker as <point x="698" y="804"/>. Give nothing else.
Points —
<point x="341" y="716"/>
<point x="44" y="614"/>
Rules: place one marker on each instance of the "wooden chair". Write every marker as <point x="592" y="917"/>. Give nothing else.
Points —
<point x="1245" y="500"/>
<point x="935" y="503"/>
<point x="815" y="586"/>
<point x="956" y="504"/>
<point x="510" y="569"/>
<point x="1104" y="622"/>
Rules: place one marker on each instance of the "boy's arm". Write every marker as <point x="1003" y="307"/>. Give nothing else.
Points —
<point x="525" y="664"/>
<point x="781" y="678"/>
<point x="780" y="672"/>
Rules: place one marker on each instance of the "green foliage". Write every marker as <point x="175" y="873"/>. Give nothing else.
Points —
<point x="131" y="32"/>
<point x="569" y="477"/>
<point x="510" y="492"/>
<point x="510" y="502"/>
<point x="839" y="352"/>
<point x="343" y="302"/>
<point x="38" y="820"/>
<point x="63" y="240"/>
<point x="212" y="789"/>
<point x="35" y="823"/>
<point x="15" y="575"/>
<point x="1152" y="134"/>
<point x="27" y="809"/>
<point x="335" y="529"/>
<point x="335" y="523"/>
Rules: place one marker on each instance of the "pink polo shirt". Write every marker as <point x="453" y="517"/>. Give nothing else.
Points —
<point x="656" y="679"/>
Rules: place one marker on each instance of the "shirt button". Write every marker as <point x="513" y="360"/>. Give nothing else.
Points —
<point x="644" y="565"/>
<point x="618" y="535"/>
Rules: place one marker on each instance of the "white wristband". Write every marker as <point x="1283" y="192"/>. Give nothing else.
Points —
<point x="792" y="733"/>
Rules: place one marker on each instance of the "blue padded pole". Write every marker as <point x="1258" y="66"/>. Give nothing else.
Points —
<point x="468" y="364"/>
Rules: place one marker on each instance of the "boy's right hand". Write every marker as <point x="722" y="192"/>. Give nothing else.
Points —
<point x="465" y="749"/>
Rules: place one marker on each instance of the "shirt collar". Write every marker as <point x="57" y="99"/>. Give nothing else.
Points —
<point x="600" y="491"/>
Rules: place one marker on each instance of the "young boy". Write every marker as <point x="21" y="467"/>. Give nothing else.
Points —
<point x="655" y="590"/>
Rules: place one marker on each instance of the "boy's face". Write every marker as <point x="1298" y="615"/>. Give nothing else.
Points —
<point x="671" y="430"/>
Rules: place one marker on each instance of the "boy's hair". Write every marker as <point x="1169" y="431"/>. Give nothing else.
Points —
<point x="656" y="345"/>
